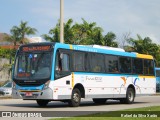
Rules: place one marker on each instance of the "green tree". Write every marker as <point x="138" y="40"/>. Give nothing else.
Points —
<point x="109" y="40"/>
<point x="18" y="33"/>
<point x="84" y="33"/>
<point x="158" y="57"/>
<point x="145" y="46"/>
<point x="54" y="33"/>
<point x="14" y="37"/>
<point x="24" y="30"/>
<point x="68" y="32"/>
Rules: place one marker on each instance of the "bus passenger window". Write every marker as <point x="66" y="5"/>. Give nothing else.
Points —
<point x="65" y="62"/>
<point x="137" y="66"/>
<point x="62" y="62"/>
<point x="96" y="62"/>
<point x="58" y="63"/>
<point x="111" y="63"/>
<point x="62" y="65"/>
<point x="125" y="64"/>
<point x="148" y="67"/>
<point x="79" y="61"/>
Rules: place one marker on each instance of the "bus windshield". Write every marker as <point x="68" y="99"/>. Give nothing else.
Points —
<point x="33" y="66"/>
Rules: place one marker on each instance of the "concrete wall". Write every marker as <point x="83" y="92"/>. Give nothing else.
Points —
<point x="4" y="69"/>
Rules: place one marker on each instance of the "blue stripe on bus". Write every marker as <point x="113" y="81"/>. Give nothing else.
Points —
<point x="96" y="50"/>
<point x="105" y="51"/>
<point x="29" y="87"/>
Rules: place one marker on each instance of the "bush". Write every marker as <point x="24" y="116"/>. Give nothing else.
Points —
<point x="7" y="53"/>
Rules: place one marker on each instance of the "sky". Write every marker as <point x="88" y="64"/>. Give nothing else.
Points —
<point x="119" y="16"/>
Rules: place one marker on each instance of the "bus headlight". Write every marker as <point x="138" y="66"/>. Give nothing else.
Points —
<point x="46" y="85"/>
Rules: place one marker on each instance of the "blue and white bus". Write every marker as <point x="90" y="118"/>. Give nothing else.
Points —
<point x="61" y="72"/>
<point x="157" y="79"/>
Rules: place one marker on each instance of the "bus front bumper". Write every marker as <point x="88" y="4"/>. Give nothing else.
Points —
<point x="46" y="94"/>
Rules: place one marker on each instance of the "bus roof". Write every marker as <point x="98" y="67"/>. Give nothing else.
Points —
<point x="96" y="49"/>
<point x="91" y="48"/>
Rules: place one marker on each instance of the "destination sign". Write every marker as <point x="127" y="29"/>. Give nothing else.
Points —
<point x="36" y="48"/>
<point x="23" y="74"/>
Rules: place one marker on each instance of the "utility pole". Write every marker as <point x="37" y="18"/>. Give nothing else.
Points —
<point x="61" y="21"/>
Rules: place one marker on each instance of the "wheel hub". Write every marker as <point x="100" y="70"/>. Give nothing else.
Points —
<point x="76" y="97"/>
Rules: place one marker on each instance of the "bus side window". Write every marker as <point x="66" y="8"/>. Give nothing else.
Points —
<point x="62" y="66"/>
<point x="137" y="66"/>
<point x="64" y="62"/>
<point x="125" y="64"/>
<point x="58" y="63"/>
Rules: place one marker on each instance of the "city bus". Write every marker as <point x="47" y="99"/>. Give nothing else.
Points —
<point x="157" y="79"/>
<point x="49" y="71"/>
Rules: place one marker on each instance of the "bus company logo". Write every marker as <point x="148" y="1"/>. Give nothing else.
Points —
<point x="85" y="49"/>
<point x="94" y="78"/>
<point x="6" y="114"/>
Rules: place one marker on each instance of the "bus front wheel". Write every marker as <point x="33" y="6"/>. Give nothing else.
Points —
<point x="42" y="103"/>
<point x="75" y="98"/>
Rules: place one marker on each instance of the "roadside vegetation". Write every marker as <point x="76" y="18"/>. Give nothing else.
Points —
<point x="140" y="112"/>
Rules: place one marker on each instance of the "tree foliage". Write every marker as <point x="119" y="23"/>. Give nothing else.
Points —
<point x="145" y="46"/>
<point x="84" y="33"/>
<point x="7" y="53"/>
<point x="18" y="33"/>
<point x="109" y="40"/>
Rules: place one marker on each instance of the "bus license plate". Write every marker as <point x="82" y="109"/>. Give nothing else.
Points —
<point x="28" y="94"/>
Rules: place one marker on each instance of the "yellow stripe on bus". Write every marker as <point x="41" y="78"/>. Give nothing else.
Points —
<point x="144" y="56"/>
<point x="72" y="80"/>
<point x="146" y="76"/>
<point x="71" y="47"/>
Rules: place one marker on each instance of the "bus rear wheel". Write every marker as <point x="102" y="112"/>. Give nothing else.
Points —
<point x="99" y="100"/>
<point x="75" y="98"/>
<point x="129" y="97"/>
<point x="42" y="103"/>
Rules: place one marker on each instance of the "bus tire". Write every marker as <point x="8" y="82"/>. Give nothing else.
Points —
<point x="42" y="103"/>
<point x="130" y="95"/>
<point x="99" y="100"/>
<point x="75" y="98"/>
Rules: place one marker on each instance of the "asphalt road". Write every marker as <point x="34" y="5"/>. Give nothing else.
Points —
<point x="86" y="105"/>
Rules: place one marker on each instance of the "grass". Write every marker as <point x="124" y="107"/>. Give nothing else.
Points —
<point x="111" y="115"/>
